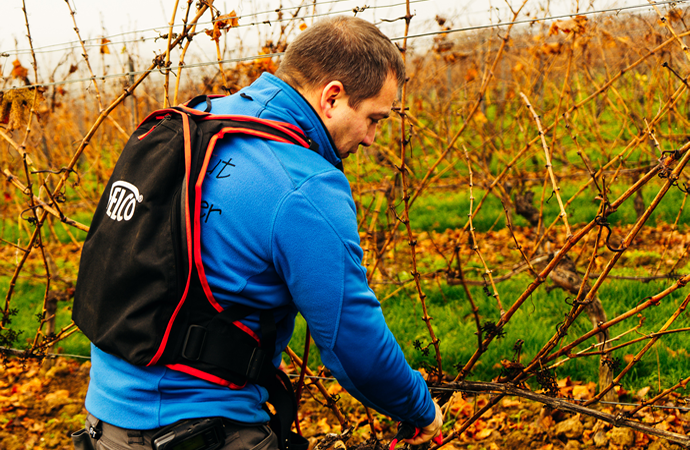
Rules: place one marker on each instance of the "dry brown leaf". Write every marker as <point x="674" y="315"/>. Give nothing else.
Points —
<point x="334" y="389"/>
<point x="471" y="74"/>
<point x="553" y="29"/>
<point x="460" y="407"/>
<point x="323" y="425"/>
<point x="552" y="48"/>
<point x="479" y="118"/>
<point x="33" y="385"/>
<point x="14" y="109"/>
<point x="214" y="33"/>
<point x="581" y="393"/>
<point x="483" y="434"/>
<point x="62" y="393"/>
<point x="642" y="392"/>
<point x="674" y="14"/>
<point x="221" y="23"/>
<point x="574" y="25"/>
<point x="423" y="373"/>
<point x="547" y="422"/>
<point x="511" y="402"/>
<point x="18" y="71"/>
<point x="104" y="47"/>
<point x="453" y="57"/>
<point x="226" y="21"/>
<point x="563" y="382"/>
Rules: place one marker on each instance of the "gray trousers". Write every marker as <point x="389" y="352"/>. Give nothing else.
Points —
<point x="109" y="437"/>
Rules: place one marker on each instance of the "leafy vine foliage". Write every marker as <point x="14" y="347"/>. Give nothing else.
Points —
<point x="519" y="160"/>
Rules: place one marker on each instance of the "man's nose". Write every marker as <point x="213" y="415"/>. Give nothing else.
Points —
<point x="369" y="138"/>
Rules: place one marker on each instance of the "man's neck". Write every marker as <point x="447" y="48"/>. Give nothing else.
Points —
<point x="310" y="95"/>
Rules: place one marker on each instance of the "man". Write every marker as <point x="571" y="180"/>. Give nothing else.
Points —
<point x="279" y="232"/>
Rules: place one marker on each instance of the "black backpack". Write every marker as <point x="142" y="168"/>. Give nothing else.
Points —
<point x="141" y="292"/>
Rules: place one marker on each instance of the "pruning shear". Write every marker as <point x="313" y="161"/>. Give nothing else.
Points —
<point x="407" y="431"/>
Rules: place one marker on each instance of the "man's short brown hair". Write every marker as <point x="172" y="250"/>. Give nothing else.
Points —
<point x="347" y="49"/>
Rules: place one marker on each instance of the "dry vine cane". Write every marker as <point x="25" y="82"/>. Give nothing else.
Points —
<point x="549" y="166"/>
<point x="480" y="98"/>
<point x="8" y="336"/>
<point x="616" y="420"/>
<point x="475" y="243"/>
<point x="166" y="99"/>
<point x="564" y="250"/>
<point x="406" y="212"/>
<point x="521" y="153"/>
<point x="589" y="296"/>
<point x="635" y="143"/>
<point x="50" y="207"/>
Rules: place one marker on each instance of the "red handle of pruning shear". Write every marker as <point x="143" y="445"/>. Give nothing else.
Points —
<point x="407" y="431"/>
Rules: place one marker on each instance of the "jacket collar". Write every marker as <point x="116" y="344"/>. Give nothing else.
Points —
<point x="282" y="102"/>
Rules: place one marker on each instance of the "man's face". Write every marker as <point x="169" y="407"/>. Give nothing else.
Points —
<point x="351" y="128"/>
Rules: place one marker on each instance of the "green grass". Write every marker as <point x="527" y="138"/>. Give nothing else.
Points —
<point x="15" y="231"/>
<point x="454" y="325"/>
<point x="534" y="323"/>
<point x="449" y="210"/>
<point x="27" y="299"/>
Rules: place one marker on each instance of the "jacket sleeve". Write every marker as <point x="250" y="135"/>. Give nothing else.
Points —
<point x="316" y="250"/>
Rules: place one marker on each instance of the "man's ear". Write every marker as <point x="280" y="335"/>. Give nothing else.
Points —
<point x="331" y="96"/>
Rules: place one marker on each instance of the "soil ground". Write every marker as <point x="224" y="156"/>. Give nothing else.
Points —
<point x="40" y="406"/>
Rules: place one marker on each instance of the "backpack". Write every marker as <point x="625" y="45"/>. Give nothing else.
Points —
<point x="141" y="291"/>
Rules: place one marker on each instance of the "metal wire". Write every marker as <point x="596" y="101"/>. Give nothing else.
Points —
<point x="257" y="57"/>
<point x="535" y="20"/>
<point x="72" y="45"/>
<point x="680" y="408"/>
<point x="76" y="44"/>
<point x="432" y="388"/>
<point x="311" y="377"/>
<point x="139" y="72"/>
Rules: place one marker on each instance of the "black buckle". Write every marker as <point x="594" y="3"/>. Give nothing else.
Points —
<point x="313" y="146"/>
<point x="188" y="434"/>
<point x="256" y="363"/>
<point x="95" y="433"/>
<point x="194" y="342"/>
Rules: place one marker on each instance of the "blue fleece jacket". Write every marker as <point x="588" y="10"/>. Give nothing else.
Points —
<point x="279" y="231"/>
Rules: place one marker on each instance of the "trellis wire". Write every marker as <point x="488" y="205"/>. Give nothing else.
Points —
<point x="278" y="54"/>
<point x="405" y="37"/>
<point x="75" y="45"/>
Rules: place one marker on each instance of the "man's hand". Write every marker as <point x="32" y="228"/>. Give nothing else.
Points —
<point x="430" y="431"/>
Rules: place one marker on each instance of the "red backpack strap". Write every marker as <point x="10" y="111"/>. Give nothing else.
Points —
<point x="265" y="128"/>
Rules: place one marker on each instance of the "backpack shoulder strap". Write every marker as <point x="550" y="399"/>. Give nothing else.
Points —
<point x="202" y="338"/>
<point x="268" y="129"/>
<point x="197" y="100"/>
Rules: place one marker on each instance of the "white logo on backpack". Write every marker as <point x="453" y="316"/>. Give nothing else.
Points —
<point x="122" y="201"/>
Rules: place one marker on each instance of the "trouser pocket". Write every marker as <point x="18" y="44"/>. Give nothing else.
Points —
<point x="81" y="440"/>
<point x="109" y="437"/>
<point x="250" y="438"/>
